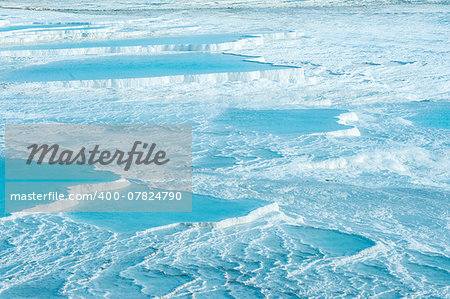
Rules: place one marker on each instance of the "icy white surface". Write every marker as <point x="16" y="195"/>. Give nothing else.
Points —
<point x="341" y="216"/>
<point x="88" y="5"/>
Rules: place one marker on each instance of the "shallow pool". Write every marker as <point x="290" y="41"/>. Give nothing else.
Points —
<point x="35" y="27"/>
<point x="282" y="122"/>
<point x="149" y="41"/>
<point x="135" y="66"/>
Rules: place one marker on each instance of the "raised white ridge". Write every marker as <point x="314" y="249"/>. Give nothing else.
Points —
<point x="229" y="222"/>
<point x="64" y="205"/>
<point x="252" y="40"/>
<point x="283" y="75"/>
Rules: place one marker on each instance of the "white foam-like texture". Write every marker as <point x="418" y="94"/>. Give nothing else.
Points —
<point x="353" y="132"/>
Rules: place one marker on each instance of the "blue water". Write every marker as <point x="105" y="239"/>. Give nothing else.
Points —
<point x="2" y="187"/>
<point x="170" y="40"/>
<point x="292" y="122"/>
<point x="435" y="115"/>
<point x="204" y="209"/>
<point x="122" y="67"/>
<point x="18" y="170"/>
<point x="41" y="26"/>
<point x="287" y="124"/>
<point x="280" y="208"/>
<point x="44" y="178"/>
